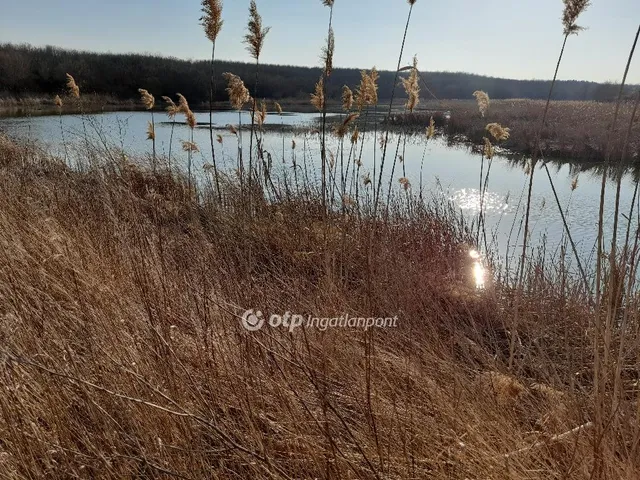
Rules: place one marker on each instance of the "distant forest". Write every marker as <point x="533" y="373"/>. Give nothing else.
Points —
<point x="27" y="70"/>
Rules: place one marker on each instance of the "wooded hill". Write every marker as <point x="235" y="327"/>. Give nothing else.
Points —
<point x="27" y="70"/>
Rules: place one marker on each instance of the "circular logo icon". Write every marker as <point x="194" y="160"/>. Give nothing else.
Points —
<point x="252" y="320"/>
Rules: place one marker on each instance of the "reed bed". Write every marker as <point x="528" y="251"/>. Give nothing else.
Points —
<point x="123" y="283"/>
<point x="575" y="131"/>
<point x="123" y="354"/>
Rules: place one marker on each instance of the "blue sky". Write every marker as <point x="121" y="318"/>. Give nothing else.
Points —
<point x="515" y="39"/>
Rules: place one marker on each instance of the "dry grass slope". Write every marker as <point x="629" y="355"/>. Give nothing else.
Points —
<point x="122" y="354"/>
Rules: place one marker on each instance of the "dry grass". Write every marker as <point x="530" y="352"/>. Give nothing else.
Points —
<point x="574" y="130"/>
<point x="122" y="354"/>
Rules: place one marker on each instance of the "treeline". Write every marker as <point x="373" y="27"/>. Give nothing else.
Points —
<point x="27" y="70"/>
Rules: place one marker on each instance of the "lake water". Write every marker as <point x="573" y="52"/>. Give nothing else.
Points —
<point x="452" y="171"/>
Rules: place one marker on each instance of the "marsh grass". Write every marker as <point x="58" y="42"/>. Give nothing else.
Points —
<point x="123" y="280"/>
<point x="143" y="340"/>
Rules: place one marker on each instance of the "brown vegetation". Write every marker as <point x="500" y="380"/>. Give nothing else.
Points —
<point x="574" y="130"/>
<point x="122" y="352"/>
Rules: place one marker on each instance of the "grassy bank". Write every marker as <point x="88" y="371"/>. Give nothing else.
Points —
<point x="132" y="289"/>
<point x="123" y="354"/>
<point x="576" y="131"/>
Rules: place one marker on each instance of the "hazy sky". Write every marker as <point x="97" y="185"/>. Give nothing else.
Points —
<point x="506" y="38"/>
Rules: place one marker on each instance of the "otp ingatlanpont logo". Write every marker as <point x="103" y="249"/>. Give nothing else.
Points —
<point x="253" y="320"/>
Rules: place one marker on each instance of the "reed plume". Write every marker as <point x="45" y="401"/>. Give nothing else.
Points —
<point x="483" y="101"/>
<point x="278" y="107"/>
<point x="572" y="10"/>
<point x="411" y="87"/>
<point x="327" y="3"/>
<point x="191" y="119"/>
<point x="404" y="181"/>
<point x="574" y="183"/>
<point x="149" y="102"/>
<point x="342" y="129"/>
<point x="238" y="93"/>
<point x="367" y="90"/>
<point x="183" y="105"/>
<point x="327" y="53"/>
<point x="58" y="101"/>
<point x="72" y="87"/>
<point x="255" y="38"/>
<point x="151" y="131"/>
<point x="355" y="135"/>
<point x="219" y="139"/>
<point x="211" y="19"/>
<point x="172" y="108"/>
<point x="488" y="149"/>
<point x="498" y="132"/>
<point x="147" y="99"/>
<point x="347" y="98"/>
<point x="293" y="144"/>
<point x="317" y="98"/>
<point x="431" y="129"/>
<point x="261" y="114"/>
<point x="190" y="147"/>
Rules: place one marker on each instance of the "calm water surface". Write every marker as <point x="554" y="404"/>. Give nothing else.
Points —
<point x="450" y="171"/>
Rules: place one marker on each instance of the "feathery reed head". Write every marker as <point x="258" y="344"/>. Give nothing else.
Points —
<point x="327" y="3"/>
<point x="483" y="101"/>
<point x="367" y="91"/>
<point x="572" y="10"/>
<point x="190" y="147"/>
<point x="347" y="98"/>
<point x="412" y="87"/>
<point x="255" y="38"/>
<point x="260" y="115"/>
<point x="219" y="139"/>
<point x="233" y="130"/>
<point x="498" y="132"/>
<point x="278" y="107"/>
<point x="211" y="19"/>
<point x="172" y="108"/>
<point x="411" y="2"/>
<point x="58" y="101"/>
<point x="72" y="87"/>
<point x="293" y="144"/>
<point x="488" y="151"/>
<point x="183" y="105"/>
<point x="151" y="131"/>
<point x="367" y="179"/>
<point x="191" y="119"/>
<point x="431" y="129"/>
<point x="238" y="93"/>
<point x="147" y="99"/>
<point x="327" y="53"/>
<point x="317" y="98"/>
<point x="342" y="129"/>
<point x="355" y="135"/>
<point x="404" y="181"/>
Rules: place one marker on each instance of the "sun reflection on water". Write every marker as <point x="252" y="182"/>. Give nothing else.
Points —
<point x="469" y="200"/>
<point x="479" y="272"/>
